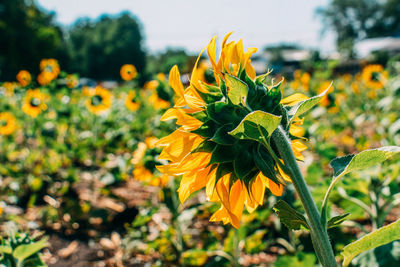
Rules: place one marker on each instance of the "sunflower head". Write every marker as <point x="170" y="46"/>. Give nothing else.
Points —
<point x="131" y="101"/>
<point x="161" y="95"/>
<point x="34" y="102"/>
<point x="24" y="77"/>
<point x="128" y="72"/>
<point x="374" y="76"/>
<point x="49" y="70"/>
<point x="145" y="161"/>
<point x="7" y="123"/>
<point x="223" y="142"/>
<point x="71" y="81"/>
<point x="8" y="88"/>
<point x="45" y="77"/>
<point x="50" y="65"/>
<point x="99" y="100"/>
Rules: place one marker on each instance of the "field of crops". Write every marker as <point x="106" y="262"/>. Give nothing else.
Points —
<point x="184" y="170"/>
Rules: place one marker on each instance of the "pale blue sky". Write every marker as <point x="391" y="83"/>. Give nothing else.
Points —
<point x="191" y="24"/>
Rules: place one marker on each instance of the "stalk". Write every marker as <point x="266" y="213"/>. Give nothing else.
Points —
<point x="319" y="234"/>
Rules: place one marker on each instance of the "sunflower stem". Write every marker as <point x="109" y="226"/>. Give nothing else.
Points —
<point x="319" y="233"/>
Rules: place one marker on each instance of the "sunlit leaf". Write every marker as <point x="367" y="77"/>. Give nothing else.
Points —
<point x="372" y="240"/>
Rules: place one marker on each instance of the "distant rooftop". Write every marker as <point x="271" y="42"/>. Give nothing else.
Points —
<point x="389" y="44"/>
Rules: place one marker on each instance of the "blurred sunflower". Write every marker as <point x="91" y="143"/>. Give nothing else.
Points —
<point x="374" y="76"/>
<point x="9" y="88"/>
<point x="131" y="101"/>
<point x="24" y="77"/>
<point x="71" y="81"/>
<point x="51" y="66"/>
<point x="7" y="123"/>
<point x="34" y="102"/>
<point x="145" y="161"/>
<point x="128" y="72"/>
<point x="45" y="77"/>
<point x="161" y="94"/>
<point x="205" y="150"/>
<point x="99" y="101"/>
<point x="326" y="99"/>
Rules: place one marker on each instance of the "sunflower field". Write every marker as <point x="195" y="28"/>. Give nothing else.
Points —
<point x="221" y="166"/>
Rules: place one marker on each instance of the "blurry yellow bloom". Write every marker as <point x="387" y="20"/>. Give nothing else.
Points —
<point x="144" y="160"/>
<point x="131" y="102"/>
<point x="305" y="80"/>
<point x="71" y="81"/>
<point x="355" y="87"/>
<point x="157" y="102"/>
<point x="45" y="77"/>
<point x="34" y="102"/>
<point x="374" y="76"/>
<point x="161" y="76"/>
<point x="7" y="123"/>
<point x="49" y="71"/>
<point x="347" y="77"/>
<point x="151" y="85"/>
<point x="9" y="88"/>
<point x="128" y="72"/>
<point x="24" y="77"/>
<point x="325" y="100"/>
<point x="50" y="65"/>
<point x="347" y="140"/>
<point x="99" y="101"/>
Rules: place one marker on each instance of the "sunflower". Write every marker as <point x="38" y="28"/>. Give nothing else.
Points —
<point x="71" y="81"/>
<point x="34" y="102"/>
<point x="7" y="123"/>
<point x="50" y="65"/>
<point x="374" y="76"/>
<point x="161" y="93"/>
<point x="144" y="161"/>
<point x="99" y="100"/>
<point x="8" y="88"/>
<point x="24" y="77"/>
<point x="234" y="169"/>
<point x="131" y="101"/>
<point x="128" y="72"/>
<point x="45" y="77"/>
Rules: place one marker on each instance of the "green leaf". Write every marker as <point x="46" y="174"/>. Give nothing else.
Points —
<point x="337" y="220"/>
<point x="237" y="90"/>
<point x="243" y="164"/>
<point x="257" y="125"/>
<point x="304" y="106"/>
<point x="206" y="130"/>
<point x="195" y="257"/>
<point x="301" y="259"/>
<point x="5" y="249"/>
<point x="289" y="216"/>
<point x="23" y="252"/>
<point x="222" y="154"/>
<point x="372" y="240"/>
<point x="200" y="115"/>
<point x="222" y="137"/>
<point x="265" y="163"/>
<point x="362" y="160"/>
<point x="205" y="146"/>
<point x="384" y="256"/>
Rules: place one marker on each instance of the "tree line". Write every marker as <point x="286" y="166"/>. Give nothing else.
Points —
<point x="93" y="48"/>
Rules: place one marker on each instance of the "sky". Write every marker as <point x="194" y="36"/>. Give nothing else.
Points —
<point x="190" y="24"/>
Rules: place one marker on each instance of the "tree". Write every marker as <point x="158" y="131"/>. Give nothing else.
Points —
<point x="164" y="61"/>
<point x="27" y="35"/>
<point x="353" y="20"/>
<point x="97" y="49"/>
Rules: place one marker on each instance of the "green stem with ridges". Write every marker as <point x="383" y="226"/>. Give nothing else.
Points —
<point x="319" y="233"/>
